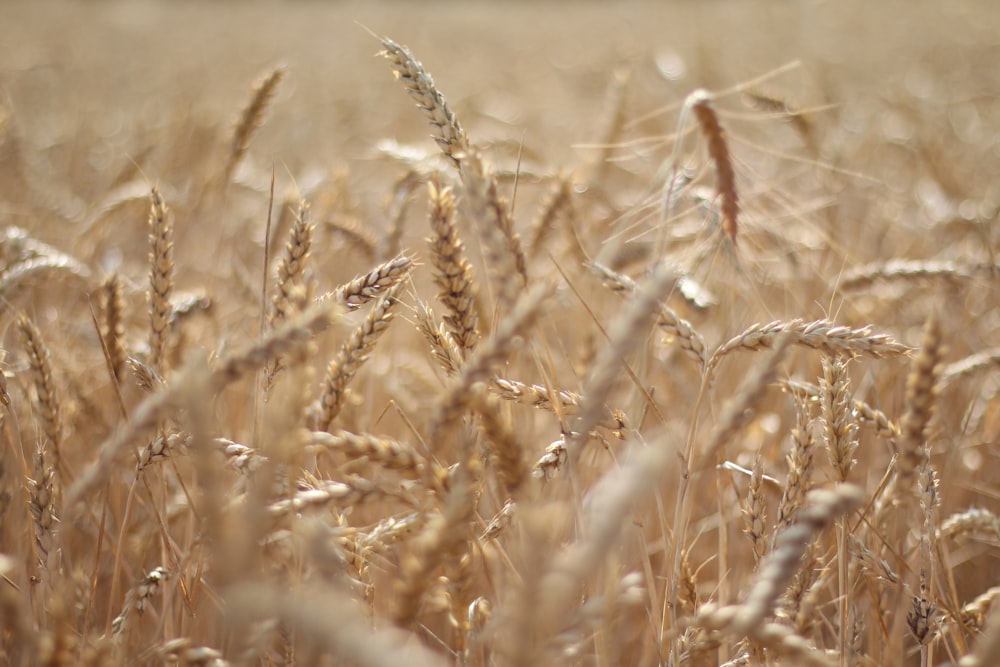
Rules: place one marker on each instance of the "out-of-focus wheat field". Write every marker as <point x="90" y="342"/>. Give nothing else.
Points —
<point x="654" y="334"/>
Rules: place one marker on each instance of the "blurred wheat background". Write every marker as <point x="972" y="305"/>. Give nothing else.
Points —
<point x="652" y="334"/>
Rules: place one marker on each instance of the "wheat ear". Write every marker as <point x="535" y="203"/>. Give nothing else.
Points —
<point x="822" y="335"/>
<point x="252" y="116"/>
<point x="113" y="324"/>
<point x="453" y="273"/>
<point x="161" y="278"/>
<point x="352" y="356"/>
<point x="448" y="132"/>
<point x="372" y="285"/>
<point x="921" y="394"/>
<point x="700" y="103"/>
<point x="501" y="243"/>
<point x="48" y="403"/>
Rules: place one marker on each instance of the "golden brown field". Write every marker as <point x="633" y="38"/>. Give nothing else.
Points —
<point x="500" y="334"/>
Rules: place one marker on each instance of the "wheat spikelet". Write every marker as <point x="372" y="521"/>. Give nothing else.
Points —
<point x="453" y="273"/>
<point x="371" y="285"/>
<point x="700" y="103"/>
<point x="161" y="278"/>
<point x="448" y="132"/>
<point x="352" y="356"/>
<point x="252" y="116"/>
<point x="822" y="335"/>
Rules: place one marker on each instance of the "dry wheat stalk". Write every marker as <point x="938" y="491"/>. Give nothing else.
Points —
<point x="448" y="132"/>
<point x="48" y="403"/>
<point x="501" y="243"/>
<point x="396" y="214"/>
<point x="113" y="324"/>
<point x="147" y="378"/>
<point x="161" y="278"/>
<point x="371" y="285"/>
<point x="453" y="273"/>
<point x="252" y="116"/>
<point x="352" y="355"/>
<point x="822" y="335"/>
<point x="700" y="103"/>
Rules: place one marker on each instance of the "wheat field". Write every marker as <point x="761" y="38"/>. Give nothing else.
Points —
<point x="499" y="334"/>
